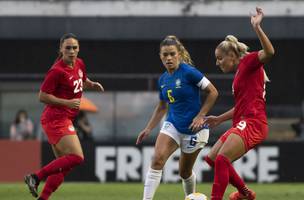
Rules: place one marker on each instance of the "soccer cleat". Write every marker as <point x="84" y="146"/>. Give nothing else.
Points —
<point x="238" y="196"/>
<point x="32" y="184"/>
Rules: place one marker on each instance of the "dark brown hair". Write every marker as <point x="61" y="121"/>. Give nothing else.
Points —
<point x="62" y="39"/>
<point x="18" y="114"/>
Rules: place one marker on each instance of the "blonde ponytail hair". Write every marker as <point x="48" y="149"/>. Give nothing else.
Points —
<point x="231" y="43"/>
<point x="173" y="40"/>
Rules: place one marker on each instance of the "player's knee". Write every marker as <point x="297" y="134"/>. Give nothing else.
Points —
<point x="221" y="159"/>
<point x="185" y="174"/>
<point x="75" y="159"/>
<point x="80" y="159"/>
<point x="158" y="162"/>
<point x="212" y="155"/>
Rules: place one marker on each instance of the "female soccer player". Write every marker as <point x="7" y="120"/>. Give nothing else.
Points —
<point x="249" y="117"/>
<point x="179" y="93"/>
<point x="61" y="92"/>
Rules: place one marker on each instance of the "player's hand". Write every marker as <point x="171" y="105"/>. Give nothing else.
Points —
<point x="73" y="103"/>
<point x="142" y="135"/>
<point x="197" y="123"/>
<point x="97" y="86"/>
<point x="212" y="121"/>
<point x="257" y="18"/>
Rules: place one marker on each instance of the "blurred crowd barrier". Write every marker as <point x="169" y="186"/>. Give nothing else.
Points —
<point x="121" y="115"/>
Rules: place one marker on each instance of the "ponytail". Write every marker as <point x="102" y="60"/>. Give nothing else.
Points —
<point x="231" y="43"/>
<point x="58" y="57"/>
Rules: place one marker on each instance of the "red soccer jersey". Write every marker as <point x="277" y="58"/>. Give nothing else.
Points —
<point x="249" y="89"/>
<point x="63" y="82"/>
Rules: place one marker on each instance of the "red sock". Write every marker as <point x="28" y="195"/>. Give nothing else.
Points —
<point x="209" y="161"/>
<point x="221" y="177"/>
<point x="61" y="164"/>
<point x="52" y="183"/>
<point x="234" y="178"/>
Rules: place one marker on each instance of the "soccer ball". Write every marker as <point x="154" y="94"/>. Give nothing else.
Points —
<point x="196" y="196"/>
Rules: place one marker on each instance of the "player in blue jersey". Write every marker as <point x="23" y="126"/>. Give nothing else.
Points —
<point x="179" y="94"/>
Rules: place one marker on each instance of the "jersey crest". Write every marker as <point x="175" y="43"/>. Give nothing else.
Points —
<point x="80" y="73"/>
<point x="178" y="83"/>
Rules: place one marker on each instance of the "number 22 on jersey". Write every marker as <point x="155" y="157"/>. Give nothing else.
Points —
<point x="170" y="97"/>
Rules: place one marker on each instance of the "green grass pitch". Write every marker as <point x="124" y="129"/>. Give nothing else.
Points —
<point x="133" y="191"/>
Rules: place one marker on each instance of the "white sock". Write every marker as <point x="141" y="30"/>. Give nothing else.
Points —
<point x="189" y="184"/>
<point x="151" y="183"/>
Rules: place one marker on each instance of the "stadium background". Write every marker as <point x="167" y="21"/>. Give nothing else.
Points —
<point x="119" y="42"/>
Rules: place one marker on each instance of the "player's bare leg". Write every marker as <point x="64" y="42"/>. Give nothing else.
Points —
<point x="186" y="163"/>
<point x="70" y="154"/>
<point x="231" y="149"/>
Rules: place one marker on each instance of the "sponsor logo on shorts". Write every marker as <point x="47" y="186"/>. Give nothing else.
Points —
<point x="71" y="128"/>
<point x="167" y="125"/>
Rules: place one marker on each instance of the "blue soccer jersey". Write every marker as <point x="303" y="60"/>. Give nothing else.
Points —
<point x="181" y="91"/>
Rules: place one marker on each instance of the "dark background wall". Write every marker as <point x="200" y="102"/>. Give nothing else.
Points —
<point x="141" y="56"/>
<point x="147" y="28"/>
<point x="124" y="45"/>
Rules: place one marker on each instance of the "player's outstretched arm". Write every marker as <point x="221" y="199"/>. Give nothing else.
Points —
<point x="88" y="84"/>
<point x="267" y="52"/>
<point x="159" y="111"/>
<point x="199" y="120"/>
<point x="213" y="121"/>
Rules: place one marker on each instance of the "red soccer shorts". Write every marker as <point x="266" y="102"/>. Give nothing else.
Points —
<point x="56" y="129"/>
<point x="252" y="131"/>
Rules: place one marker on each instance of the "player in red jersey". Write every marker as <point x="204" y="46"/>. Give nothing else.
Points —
<point x="61" y="91"/>
<point x="249" y="116"/>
